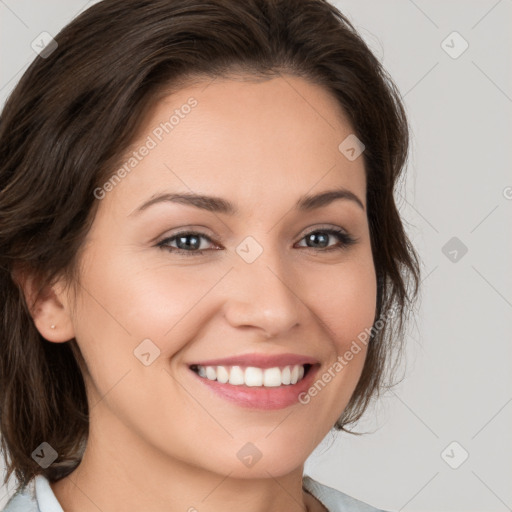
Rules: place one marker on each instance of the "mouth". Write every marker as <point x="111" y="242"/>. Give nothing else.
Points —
<point x="256" y="380"/>
<point x="253" y="376"/>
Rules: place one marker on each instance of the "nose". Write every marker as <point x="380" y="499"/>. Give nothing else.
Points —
<point x="259" y="295"/>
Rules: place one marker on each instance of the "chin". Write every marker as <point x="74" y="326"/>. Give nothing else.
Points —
<point x="246" y="460"/>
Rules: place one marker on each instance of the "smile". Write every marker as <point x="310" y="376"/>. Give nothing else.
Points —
<point x="253" y="376"/>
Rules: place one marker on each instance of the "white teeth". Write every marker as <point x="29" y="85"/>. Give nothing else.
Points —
<point x="295" y="375"/>
<point x="222" y="374"/>
<point x="272" y="377"/>
<point x="236" y="376"/>
<point x="286" y="375"/>
<point x="253" y="376"/>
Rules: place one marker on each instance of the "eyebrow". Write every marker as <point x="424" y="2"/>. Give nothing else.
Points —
<point x="219" y="205"/>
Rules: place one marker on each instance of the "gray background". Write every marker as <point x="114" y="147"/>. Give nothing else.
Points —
<point x="459" y="184"/>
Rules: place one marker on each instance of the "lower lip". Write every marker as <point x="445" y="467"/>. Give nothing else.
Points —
<point x="267" y="398"/>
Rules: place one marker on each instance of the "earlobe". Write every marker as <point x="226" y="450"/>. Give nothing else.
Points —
<point x="49" y="309"/>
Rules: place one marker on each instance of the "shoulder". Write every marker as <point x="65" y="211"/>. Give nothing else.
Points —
<point x="334" y="500"/>
<point x="24" y="500"/>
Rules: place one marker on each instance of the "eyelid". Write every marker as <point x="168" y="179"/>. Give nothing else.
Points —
<point x="323" y="227"/>
<point x="187" y="230"/>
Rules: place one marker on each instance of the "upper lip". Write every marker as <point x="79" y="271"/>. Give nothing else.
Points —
<point x="259" y="360"/>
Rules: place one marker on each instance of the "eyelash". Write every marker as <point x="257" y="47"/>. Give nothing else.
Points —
<point x="345" y="239"/>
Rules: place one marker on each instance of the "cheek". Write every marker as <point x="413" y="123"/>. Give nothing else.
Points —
<point x="345" y="307"/>
<point x="121" y="305"/>
<point x="345" y="300"/>
<point x="124" y="307"/>
<point x="130" y="300"/>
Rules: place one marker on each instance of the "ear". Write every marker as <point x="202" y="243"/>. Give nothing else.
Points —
<point x="50" y="307"/>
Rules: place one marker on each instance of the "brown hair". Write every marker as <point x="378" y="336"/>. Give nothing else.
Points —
<point x="75" y="111"/>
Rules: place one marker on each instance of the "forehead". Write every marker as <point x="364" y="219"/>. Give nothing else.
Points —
<point x="273" y="140"/>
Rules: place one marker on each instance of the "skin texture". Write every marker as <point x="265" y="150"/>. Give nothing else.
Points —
<point x="159" y="438"/>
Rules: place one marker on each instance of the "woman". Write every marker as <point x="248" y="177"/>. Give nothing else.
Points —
<point x="203" y="268"/>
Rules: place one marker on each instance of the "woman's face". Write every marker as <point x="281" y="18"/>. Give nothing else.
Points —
<point x="263" y="280"/>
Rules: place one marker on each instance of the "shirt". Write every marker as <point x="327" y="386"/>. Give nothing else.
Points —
<point x="38" y="496"/>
